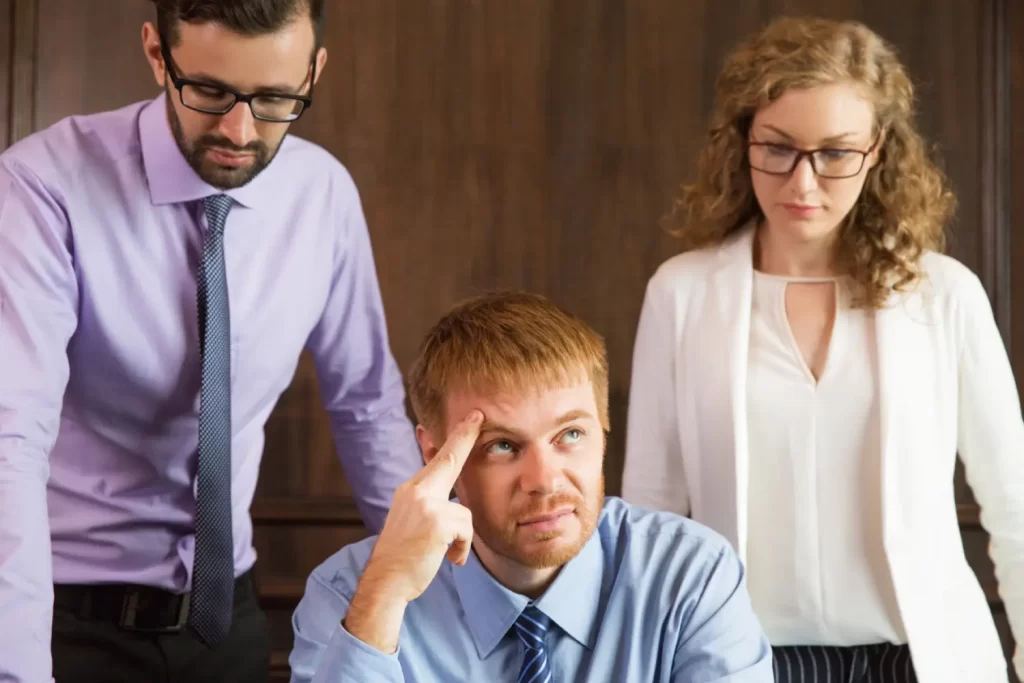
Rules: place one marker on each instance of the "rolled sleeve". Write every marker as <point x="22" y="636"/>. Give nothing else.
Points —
<point x="323" y="651"/>
<point x="349" y="660"/>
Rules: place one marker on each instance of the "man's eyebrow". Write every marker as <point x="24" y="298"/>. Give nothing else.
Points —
<point x="277" y="89"/>
<point x="489" y="426"/>
<point x="574" y="415"/>
<point x="571" y="416"/>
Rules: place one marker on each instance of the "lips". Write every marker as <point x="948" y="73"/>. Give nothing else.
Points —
<point x="547" y="517"/>
<point x="801" y="210"/>
<point x="226" y="158"/>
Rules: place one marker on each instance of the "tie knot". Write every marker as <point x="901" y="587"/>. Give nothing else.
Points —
<point x="217" y="207"/>
<point x="531" y="626"/>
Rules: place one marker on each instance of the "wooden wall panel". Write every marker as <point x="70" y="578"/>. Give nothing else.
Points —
<point x="90" y="57"/>
<point x="535" y="144"/>
<point x="1015" y="64"/>
<point x="547" y="141"/>
<point x="1014" y="168"/>
<point x="995" y="157"/>
<point x="6" y="54"/>
<point x="1009" y="146"/>
<point x="24" y="39"/>
<point x="994" y="180"/>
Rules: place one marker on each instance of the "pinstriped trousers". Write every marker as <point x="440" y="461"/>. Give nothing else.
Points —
<point x="882" y="663"/>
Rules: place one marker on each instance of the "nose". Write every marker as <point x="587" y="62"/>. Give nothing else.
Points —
<point x="541" y="470"/>
<point x="238" y="125"/>
<point x="804" y="178"/>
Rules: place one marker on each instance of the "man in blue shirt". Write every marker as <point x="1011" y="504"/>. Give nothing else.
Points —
<point x="531" y="574"/>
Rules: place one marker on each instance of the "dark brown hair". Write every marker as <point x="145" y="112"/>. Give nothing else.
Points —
<point x="246" y="17"/>
<point x="906" y="202"/>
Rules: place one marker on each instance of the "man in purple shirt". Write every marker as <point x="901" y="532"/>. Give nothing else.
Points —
<point x="162" y="267"/>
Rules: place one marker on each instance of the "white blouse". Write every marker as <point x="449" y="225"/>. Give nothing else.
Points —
<point x="817" y="570"/>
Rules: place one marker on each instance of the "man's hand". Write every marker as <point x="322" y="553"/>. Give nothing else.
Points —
<point x="422" y="527"/>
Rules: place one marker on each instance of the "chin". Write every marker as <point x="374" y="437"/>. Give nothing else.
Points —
<point x="551" y="553"/>
<point x="806" y="229"/>
<point x="227" y="177"/>
<point x="552" y="548"/>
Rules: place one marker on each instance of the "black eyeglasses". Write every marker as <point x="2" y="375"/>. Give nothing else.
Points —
<point x="827" y="162"/>
<point x="210" y="98"/>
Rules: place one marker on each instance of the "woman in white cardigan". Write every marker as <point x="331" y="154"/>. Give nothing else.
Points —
<point x="807" y="369"/>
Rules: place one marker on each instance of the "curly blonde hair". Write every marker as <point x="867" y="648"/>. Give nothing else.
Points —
<point x="906" y="201"/>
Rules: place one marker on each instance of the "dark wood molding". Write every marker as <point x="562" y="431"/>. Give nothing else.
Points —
<point x="23" y="69"/>
<point x="995" y="161"/>
<point x="306" y="511"/>
<point x="969" y="515"/>
<point x="992" y="595"/>
<point x="281" y="592"/>
<point x="6" y="59"/>
<point x="279" y="669"/>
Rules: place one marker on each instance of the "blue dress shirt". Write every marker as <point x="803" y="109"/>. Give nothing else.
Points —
<point x="652" y="596"/>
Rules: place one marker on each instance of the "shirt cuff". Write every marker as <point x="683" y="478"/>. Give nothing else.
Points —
<point x="350" y="660"/>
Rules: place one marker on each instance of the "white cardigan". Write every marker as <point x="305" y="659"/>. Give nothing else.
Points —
<point x="945" y="385"/>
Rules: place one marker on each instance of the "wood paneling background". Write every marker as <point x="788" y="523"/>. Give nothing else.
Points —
<point x="1014" y="163"/>
<point x="6" y="54"/>
<point x="535" y="144"/>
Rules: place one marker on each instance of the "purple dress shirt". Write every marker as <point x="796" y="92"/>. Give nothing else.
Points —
<point x="101" y="226"/>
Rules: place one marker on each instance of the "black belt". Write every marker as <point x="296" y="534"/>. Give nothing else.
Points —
<point x="131" y="607"/>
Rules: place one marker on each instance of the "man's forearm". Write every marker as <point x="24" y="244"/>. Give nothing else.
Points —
<point x="375" y="614"/>
<point x="26" y="576"/>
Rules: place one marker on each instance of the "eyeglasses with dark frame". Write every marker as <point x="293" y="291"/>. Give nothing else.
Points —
<point x="835" y="163"/>
<point x="210" y="98"/>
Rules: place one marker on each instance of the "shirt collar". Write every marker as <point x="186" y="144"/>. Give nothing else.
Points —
<point x="572" y="601"/>
<point x="171" y="180"/>
<point x="490" y="608"/>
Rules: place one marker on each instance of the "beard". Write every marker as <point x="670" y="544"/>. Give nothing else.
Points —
<point x="221" y="177"/>
<point x="536" y="550"/>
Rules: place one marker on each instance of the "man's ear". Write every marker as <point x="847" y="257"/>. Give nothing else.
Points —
<point x="151" y="48"/>
<point x="321" y="61"/>
<point x="426" y="441"/>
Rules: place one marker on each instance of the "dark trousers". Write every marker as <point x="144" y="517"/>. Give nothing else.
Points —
<point x="100" y="651"/>
<point x="881" y="663"/>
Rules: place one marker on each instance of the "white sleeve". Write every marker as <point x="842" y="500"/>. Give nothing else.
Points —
<point x="653" y="474"/>
<point x="991" y="445"/>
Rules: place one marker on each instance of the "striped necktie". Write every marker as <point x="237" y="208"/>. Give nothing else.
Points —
<point x="213" y="565"/>
<point x="531" y="627"/>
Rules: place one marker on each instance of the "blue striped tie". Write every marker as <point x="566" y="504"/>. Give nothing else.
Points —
<point x="213" y="570"/>
<point x="531" y="626"/>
